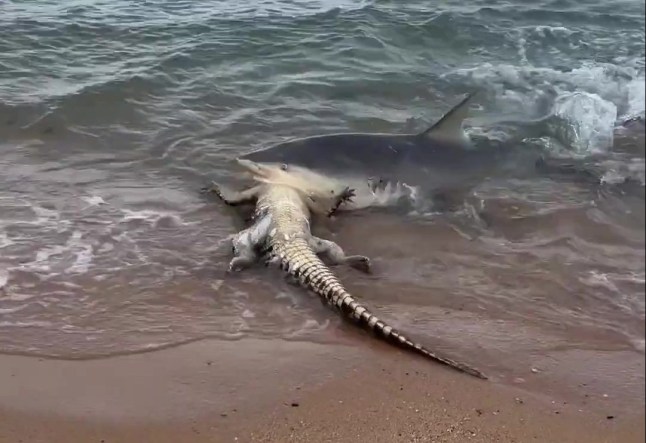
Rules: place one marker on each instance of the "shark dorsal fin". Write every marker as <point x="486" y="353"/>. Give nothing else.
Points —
<point x="449" y="127"/>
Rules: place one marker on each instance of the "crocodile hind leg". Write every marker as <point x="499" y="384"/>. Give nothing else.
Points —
<point x="244" y="253"/>
<point x="336" y="255"/>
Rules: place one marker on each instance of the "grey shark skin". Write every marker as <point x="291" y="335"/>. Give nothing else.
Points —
<point x="441" y="157"/>
<point x="281" y="233"/>
<point x="441" y="162"/>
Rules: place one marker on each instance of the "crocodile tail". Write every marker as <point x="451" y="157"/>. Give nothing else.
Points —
<point x="301" y="262"/>
<point x="354" y="310"/>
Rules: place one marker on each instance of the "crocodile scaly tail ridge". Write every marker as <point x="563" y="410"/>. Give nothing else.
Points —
<point x="297" y="258"/>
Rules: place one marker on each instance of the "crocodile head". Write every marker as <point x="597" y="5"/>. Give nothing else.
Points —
<point x="258" y="171"/>
<point x="320" y="192"/>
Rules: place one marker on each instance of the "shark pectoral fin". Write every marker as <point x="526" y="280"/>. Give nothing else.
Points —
<point x="449" y="127"/>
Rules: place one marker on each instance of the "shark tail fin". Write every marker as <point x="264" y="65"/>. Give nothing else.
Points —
<point x="449" y="127"/>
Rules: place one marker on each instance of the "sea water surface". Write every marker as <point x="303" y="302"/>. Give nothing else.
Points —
<point x="114" y="113"/>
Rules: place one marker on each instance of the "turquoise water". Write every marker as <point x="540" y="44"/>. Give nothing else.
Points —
<point x="114" y="113"/>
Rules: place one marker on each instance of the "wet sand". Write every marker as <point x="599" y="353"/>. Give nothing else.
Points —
<point x="275" y="391"/>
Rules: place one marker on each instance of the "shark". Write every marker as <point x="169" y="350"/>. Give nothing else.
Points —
<point x="438" y="160"/>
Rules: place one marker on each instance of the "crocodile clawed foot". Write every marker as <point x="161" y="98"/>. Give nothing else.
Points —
<point x="359" y="262"/>
<point x="232" y="269"/>
<point x="212" y="188"/>
<point x="238" y="264"/>
<point x="345" y="196"/>
<point x="272" y="261"/>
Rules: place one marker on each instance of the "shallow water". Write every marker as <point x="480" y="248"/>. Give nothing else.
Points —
<point x="114" y="114"/>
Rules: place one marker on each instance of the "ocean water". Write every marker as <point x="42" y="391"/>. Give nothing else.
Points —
<point x="114" y="113"/>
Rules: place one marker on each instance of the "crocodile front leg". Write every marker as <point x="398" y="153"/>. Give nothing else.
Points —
<point x="336" y="255"/>
<point x="344" y="197"/>
<point x="233" y="198"/>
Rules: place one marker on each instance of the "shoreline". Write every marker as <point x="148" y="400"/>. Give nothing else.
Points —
<point x="272" y="390"/>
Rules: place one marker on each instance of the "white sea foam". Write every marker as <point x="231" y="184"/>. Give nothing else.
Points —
<point x="247" y="313"/>
<point x="44" y="214"/>
<point x="590" y="100"/>
<point x="309" y="326"/>
<point x="515" y="85"/>
<point x="105" y="247"/>
<point x="5" y="240"/>
<point x="4" y="277"/>
<point x="94" y="200"/>
<point x="599" y="279"/>
<point x="546" y="30"/>
<point x="636" y="91"/>
<point x="51" y="258"/>
<point x="19" y="296"/>
<point x="639" y="344"/>
<point x="155" y="218"/>
<point x="82" y="251"/>
<point x="25" y="324"/>
<point x="247" y="8"/>
<point x="590" y="118"/>
<point x="50" y="219"/>
<point x="145" y="214"/>
<point x="618" y="171"/>
<point x="13" y="309"/>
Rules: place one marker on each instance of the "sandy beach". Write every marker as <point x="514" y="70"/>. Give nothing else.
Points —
<point x="275" y="391"/>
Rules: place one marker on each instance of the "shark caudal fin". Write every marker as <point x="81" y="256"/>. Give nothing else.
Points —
<point x="449" y="127"/>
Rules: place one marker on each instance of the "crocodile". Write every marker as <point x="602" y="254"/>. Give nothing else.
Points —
<point x="280" y="232"/>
